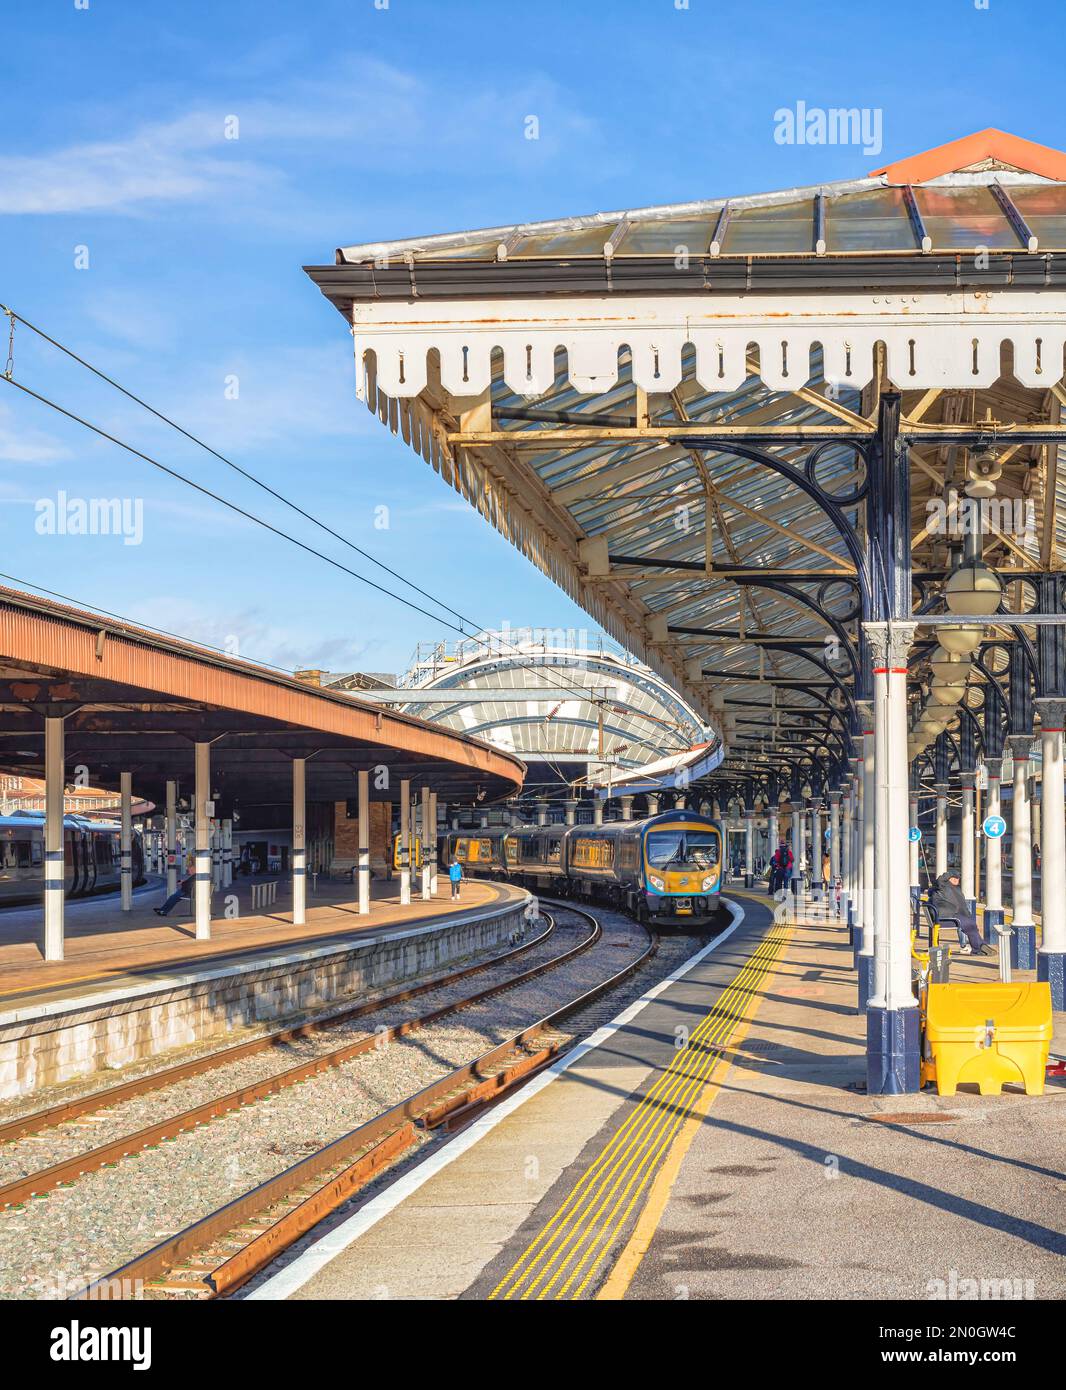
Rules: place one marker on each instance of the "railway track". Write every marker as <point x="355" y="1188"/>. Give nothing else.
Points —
<point x="69" y="1170"/>
<point x="215" y="1255"/>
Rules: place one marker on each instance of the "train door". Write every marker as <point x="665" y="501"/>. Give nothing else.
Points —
<point x="72" y="861"/>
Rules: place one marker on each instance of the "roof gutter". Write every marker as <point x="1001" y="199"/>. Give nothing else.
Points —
<point x="907" y="270"/>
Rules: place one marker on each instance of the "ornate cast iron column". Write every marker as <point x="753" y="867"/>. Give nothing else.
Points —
<point x="1051" y="660"/>
<point x="1023" y="936"/>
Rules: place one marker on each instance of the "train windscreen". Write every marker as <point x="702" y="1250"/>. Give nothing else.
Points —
<point x="682" y="849"/>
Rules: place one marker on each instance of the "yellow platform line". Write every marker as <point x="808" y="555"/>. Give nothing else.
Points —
<point x="659" y="1122"/>
<point x="625" y="1267"/>
<point x="586" y="1224"/>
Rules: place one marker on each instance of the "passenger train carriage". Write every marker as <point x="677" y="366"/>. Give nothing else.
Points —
<point x="414" y="854"/>
<point x="480" y="852"/>
<point x="91" y="856"/>
<point x="665" y="869"/>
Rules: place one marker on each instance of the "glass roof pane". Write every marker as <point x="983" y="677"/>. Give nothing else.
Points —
<point x="964" y="218"/>
<point x="569" y="241"/>
<point x="663" y="236"/>
<point x="475" y="251"/>
<point x="1044" y="208"/>
<point x="871" y="221"/>
<point x="780" y="228"/>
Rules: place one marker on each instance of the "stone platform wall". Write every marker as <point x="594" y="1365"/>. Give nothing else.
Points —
<point x="45" y="1045"/>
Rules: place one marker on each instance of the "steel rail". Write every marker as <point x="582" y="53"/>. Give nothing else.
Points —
<point x="451" y="1100"/>
<point x="69" y="1170"/>
<point x="37" y="1120"/>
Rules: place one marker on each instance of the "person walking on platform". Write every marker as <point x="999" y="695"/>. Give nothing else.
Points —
<point x="949" y="904"/>
<point x="183" y="890"/>
<point x="780" y="867"/>
<point x="455" y="874"/>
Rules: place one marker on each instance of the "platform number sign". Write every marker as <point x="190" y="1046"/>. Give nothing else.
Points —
<point x="994" y="827"/>
<point x="914" y="834"/>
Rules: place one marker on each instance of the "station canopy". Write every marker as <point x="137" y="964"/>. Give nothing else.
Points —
<point x="573" y="708"/>
<point x="590" y="386"/>
<point x="137" y="701"/>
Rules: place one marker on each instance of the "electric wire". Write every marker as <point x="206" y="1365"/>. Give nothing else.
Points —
<point x="581" y="691"/>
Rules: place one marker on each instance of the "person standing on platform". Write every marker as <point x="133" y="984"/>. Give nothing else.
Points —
<point x="780" y="867"/>
<point x="455" y="874"/>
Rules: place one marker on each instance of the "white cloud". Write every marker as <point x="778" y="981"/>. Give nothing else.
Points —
<point x="249" y="634"/>
<point x="180" y="160"/>
<point x="29" y="446"/>
<point x="362" y="115"/>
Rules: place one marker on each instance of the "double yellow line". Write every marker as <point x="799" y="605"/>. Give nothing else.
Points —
<point x="563" y="1259"/>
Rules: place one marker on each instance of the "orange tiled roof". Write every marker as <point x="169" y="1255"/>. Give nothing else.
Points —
<point x="983" y="145"/>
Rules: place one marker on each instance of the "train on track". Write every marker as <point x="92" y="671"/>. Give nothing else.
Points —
<point x="91" y="856"/>
<point x="666" y="869"/>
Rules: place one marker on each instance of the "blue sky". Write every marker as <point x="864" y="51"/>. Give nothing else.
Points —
<point x="361" y="122"/>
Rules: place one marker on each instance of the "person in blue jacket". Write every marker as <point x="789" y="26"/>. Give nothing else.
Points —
<point x="455" y="873"/>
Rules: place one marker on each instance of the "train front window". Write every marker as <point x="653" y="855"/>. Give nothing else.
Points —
<point x="682" y="849"/>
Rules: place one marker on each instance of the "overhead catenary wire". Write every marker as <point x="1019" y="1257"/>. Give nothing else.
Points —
<point x="581" y="691"/>
<point x="195" y="439"/>
<point x="232" y="506"/>
<point x="13" y="316"/>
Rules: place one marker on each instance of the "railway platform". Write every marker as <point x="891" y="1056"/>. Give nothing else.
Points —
<point x="135" y="985"/>
<point x="716" y="1141"/>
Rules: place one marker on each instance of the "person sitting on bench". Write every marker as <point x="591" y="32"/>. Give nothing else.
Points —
<point x="183" y="890"/>
<point x="947" y="901"/>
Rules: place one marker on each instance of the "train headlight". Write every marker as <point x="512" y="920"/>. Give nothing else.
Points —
<point x="707" y="883"/>
<point x="657" y="883"/>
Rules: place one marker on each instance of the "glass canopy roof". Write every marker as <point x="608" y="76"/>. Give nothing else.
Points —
<point x="960" y="213"/>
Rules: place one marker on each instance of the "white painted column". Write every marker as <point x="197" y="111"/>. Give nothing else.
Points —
<point x="433" y="844"/>
<point x="627" y="807"/>
<point x="773" y="832"/>
<point x="993" y="853"/>
<point x="54" y="855"/>
<point x="227" y="853"/>
<point x="1051" y="958"/>
<point x="125" y="783"/>
<point x="202" y="881"/>
<point x="816" y="848"/>
<point x="364" y="842"/>
<point x="834" y="847"/>
<point x="797" y="853"/>
<point x="597" y="812"/>
<point x="869" y="813"/>
<point x="172" y="837"/>
<point x="858" y="840"/>
<point x="749" y="845"/>
<point x="941" y="829"/>
<point x="892" y="965"/>
<point x="426" y="890"/>
<point x="846" y="832"/>
<point x="299" y="841"/>
<point x="967" y="838"/>
<point x="1021" y="837"/>
<point x="405" y="842"/>
<point x="915" y="865"/>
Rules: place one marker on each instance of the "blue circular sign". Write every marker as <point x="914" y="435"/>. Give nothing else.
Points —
<point x="994" y="827"/>
<point x="914" y="834"/>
